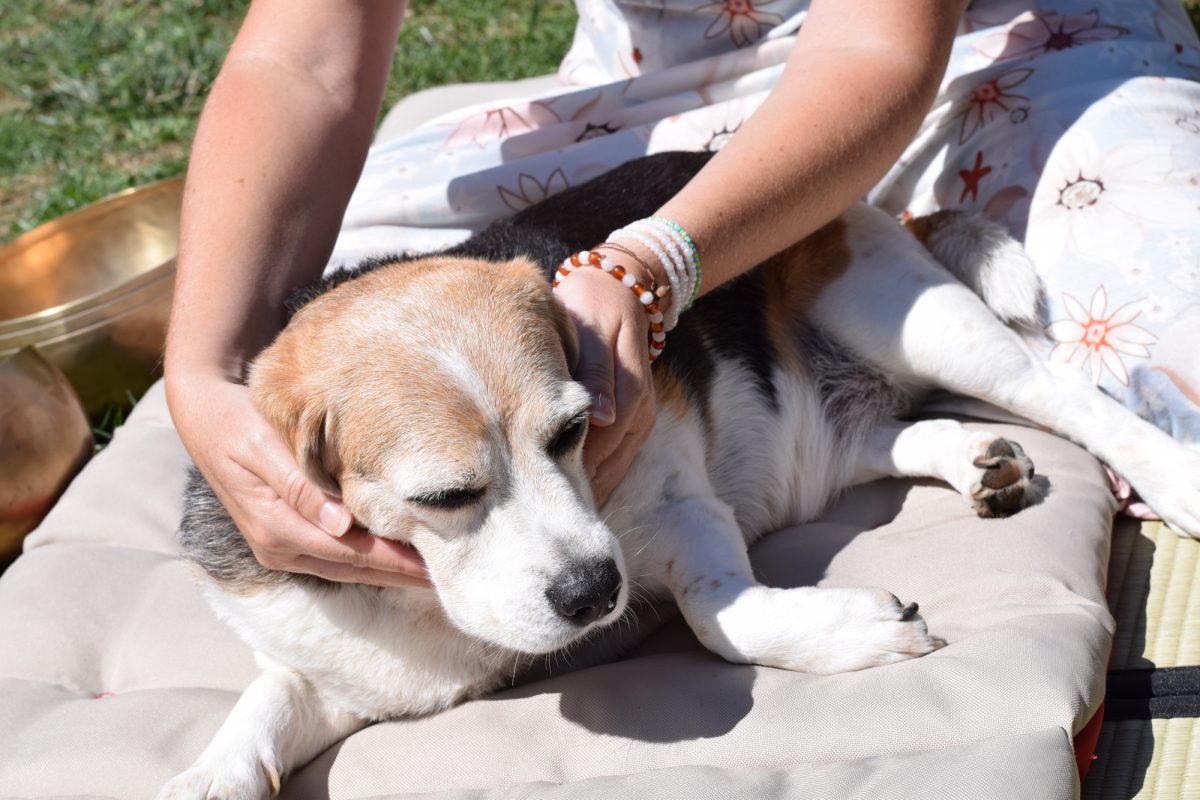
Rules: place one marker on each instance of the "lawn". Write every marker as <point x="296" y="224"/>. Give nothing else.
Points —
<point x="99" y="96"/>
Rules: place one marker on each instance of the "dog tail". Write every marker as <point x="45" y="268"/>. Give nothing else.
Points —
<point x="984" y="256"/>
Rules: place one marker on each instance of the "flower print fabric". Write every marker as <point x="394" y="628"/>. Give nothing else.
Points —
<point x="1094" y="340"/>
<point x="1075" y="122"/>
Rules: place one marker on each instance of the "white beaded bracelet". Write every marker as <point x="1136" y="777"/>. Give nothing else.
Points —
<point x="675" y="248"/>
<point x="687" y="247"/>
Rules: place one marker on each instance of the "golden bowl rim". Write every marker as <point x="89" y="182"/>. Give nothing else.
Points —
<point x="73" y="218"/>
<point x="81" y="324"/>
<point x="150" y="283"/>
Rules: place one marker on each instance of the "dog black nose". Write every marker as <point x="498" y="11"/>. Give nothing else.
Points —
<point x="585" y="593"/>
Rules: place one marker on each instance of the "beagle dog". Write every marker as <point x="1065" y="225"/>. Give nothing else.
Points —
<point x="434" y="394"/>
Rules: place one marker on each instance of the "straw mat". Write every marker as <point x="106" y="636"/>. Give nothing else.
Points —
<point x="1154" y="593"/>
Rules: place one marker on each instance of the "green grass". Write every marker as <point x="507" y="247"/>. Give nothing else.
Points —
<point x="99" y="96"/>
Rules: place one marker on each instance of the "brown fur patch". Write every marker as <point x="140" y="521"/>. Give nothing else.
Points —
<point x="802" y="272"/>
<point x="669" y="392"/>
<point x="795" y="278"/>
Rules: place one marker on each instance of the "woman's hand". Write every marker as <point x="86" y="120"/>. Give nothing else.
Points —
<point x="614" y="365"/>
<point x="289" y="523"/>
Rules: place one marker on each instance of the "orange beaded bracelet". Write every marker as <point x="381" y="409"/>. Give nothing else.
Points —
<point x="648" y="297"/>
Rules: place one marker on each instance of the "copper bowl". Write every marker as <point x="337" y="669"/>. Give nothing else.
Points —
<point x="44" y="440"/>
<point x="92" y="290"/>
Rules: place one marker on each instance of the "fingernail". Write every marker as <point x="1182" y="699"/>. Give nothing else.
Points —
<point x="334" y="519"/>
<point x="603" y="412"/>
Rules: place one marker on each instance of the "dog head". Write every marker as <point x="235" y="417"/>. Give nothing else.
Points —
<point x="435" y="397"/>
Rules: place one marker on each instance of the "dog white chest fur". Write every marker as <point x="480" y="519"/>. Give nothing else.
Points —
<point x="454" y="425"/>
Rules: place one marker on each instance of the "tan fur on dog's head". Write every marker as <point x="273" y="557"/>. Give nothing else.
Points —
<point x="445" y="381"/>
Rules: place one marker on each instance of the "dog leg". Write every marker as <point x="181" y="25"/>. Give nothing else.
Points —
<point x="699" y="554"/>
<point x="903" y="313"/>
<point x="279" y="723"/>
<point x="993" y="473"/>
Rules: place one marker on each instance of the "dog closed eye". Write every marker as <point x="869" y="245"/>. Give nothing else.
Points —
<point x="568" y="437"/>
<point x="449" y="499"/>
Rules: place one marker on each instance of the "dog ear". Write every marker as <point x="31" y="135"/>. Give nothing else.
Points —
<point x="312" y="444"/>
<point x="297" y="409"/>
<point x="565" y="328"/>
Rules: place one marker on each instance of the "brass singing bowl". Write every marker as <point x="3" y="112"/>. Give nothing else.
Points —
<point x="92" y="290"/>
<point x="44" y="440"/>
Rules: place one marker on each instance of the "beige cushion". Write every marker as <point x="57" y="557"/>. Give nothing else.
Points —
<point x="99" y="604"/>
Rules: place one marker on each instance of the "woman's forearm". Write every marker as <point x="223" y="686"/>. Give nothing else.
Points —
<point x="279" y="147"/>
<point x="860" y="79"/>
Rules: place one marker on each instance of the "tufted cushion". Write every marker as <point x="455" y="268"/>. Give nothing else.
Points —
<point x="114" y="674"/>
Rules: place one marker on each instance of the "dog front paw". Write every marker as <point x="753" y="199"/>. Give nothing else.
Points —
<point x="877" y="629"/>
<point x="842" y="630"/>
<point x="232" y="779"/>
<point x="1005" y="483"/>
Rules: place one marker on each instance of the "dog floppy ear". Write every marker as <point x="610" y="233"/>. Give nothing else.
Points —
<point x="565" y="328"/>
<point x="297" y="409"/>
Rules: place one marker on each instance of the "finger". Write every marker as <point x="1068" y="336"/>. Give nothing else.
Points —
<point x="276" y="466"/>
<point x="612" y="471"/>
<point x="361" y="550"/>
<point x="386" y="555"/>
<point x="348" y="573"/>
<point x="295" y="545"/>
<point x="599" y="445"/>
<point x="634" y="381"/>
<point x="595" y="372"/>
<point x="635" y="409"/>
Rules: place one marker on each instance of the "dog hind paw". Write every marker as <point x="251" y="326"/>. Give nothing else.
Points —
<point x="1006" y="483"/>
<point x="1169" y="482"/>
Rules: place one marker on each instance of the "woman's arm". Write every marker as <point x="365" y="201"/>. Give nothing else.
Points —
<point x="278" y="150"/>
<point x="860" y="78"/>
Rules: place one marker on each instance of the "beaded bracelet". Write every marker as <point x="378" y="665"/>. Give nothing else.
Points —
<point x="673" y="268"/>
<point x="692" y="251"/>
<point x="680" y="250"/>
<point x="660" y="291"/>
<point x="647" y="297"/>
<point x="677" y="253"/>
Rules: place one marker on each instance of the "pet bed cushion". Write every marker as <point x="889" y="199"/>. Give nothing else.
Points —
<point x="114" y="674"/>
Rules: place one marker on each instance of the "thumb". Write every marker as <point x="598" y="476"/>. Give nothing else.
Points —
<point x="333" y="517"/>
<point x="280" y="471"/>
<point x="325" y="511"/>
<point x="595" y="372"/>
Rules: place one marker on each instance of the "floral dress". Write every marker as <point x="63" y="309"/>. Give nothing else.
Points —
<point x="1075" y="122"/>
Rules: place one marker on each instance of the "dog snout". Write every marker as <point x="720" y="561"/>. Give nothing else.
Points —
<point x="584" y="593"/>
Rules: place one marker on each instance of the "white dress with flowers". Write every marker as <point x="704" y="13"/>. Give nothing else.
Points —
<point x="1076" y="122"/>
